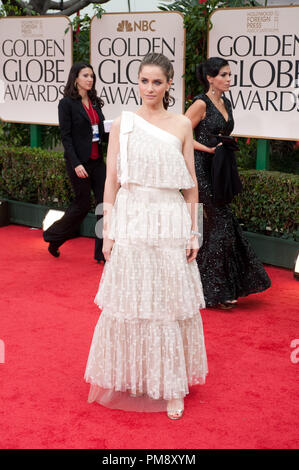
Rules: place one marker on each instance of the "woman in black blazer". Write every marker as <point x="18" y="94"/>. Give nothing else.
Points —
<point x="81" y="124"/>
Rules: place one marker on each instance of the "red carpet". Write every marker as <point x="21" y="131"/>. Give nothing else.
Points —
<point x="47" y="319"/>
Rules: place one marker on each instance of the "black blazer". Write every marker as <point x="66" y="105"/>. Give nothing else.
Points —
<point x="76" y="132"/>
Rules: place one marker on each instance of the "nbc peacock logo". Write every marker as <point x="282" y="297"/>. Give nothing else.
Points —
<point x="124" y="26"/>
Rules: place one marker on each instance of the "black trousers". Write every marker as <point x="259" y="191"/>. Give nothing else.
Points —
<point x="69" y="225"/>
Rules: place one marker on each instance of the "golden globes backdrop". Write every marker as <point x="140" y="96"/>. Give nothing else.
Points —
<point x="262" y="47"/>
<point x="119" y="41"/>
<point x="36" y="56"/>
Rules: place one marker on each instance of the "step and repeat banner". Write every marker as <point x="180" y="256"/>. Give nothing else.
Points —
<point x="118" y="43"/>
<point x="262" y="48"/>
<point x="260" y="44"/>
<point x="36" y="57"/>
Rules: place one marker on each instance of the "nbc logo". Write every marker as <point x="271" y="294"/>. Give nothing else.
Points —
<point x="124" y="25"/>
<point x="128" y="27"/>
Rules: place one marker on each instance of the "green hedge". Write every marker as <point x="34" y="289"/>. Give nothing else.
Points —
<point x="268" y="203"/>
<point x="34" y="175"/>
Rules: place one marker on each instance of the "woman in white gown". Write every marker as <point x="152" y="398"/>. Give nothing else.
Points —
<point x="148" y="345"/>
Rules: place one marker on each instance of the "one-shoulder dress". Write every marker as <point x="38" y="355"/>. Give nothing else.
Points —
<point x="148" y="344"/>
<point x="228" y="265"/>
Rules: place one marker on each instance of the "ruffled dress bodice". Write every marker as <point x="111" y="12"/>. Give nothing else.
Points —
<point x="150" y="156"/>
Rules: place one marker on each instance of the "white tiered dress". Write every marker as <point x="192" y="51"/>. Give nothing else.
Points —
<point x="148" y="345"/>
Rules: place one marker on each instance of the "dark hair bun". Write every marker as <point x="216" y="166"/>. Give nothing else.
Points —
<point x="210" y="67"/>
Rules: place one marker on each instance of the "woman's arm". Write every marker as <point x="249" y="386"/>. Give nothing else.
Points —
<point x="65" y="125"/>
<point x="191" y="194"/>
<point x="111" y="185"/>
<point x="196" y="113"/>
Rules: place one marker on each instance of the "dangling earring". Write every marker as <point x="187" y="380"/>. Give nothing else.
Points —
<point x="213" y="91"/>
<point x="139" y="100"/>
<point x="166" y="99"/>
<point x="75" y="85"/>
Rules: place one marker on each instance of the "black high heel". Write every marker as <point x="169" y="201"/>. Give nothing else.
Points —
<point x="233" y="303"/>
<point x="53" y="250"/>
<point x="225" y="306"/>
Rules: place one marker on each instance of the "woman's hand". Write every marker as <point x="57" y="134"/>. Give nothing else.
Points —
<point x="81" y="172"/>
<point x="211" y="150"/>
<point x="192" y="248"/>
<point x="107" y="248"/>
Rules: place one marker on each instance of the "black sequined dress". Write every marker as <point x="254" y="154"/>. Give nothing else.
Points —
<point x="228" y="266"/>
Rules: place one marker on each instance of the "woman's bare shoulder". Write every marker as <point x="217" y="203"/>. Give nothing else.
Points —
<point x="180" y="119"/>
<point x="197" y="111"/>
<point x="198" y="105"/>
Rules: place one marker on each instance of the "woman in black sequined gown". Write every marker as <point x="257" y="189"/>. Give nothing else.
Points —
<point x="228" y="266"/>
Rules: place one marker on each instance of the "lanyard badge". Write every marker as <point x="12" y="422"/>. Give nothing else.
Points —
<point x="95" y="133"/>
<point x="95" y="128"/>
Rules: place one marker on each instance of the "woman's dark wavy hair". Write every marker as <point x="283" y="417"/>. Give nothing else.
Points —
<point x="210" y="67"/>
<point x="164" y="63"/>
<point x="71" y="90"/>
